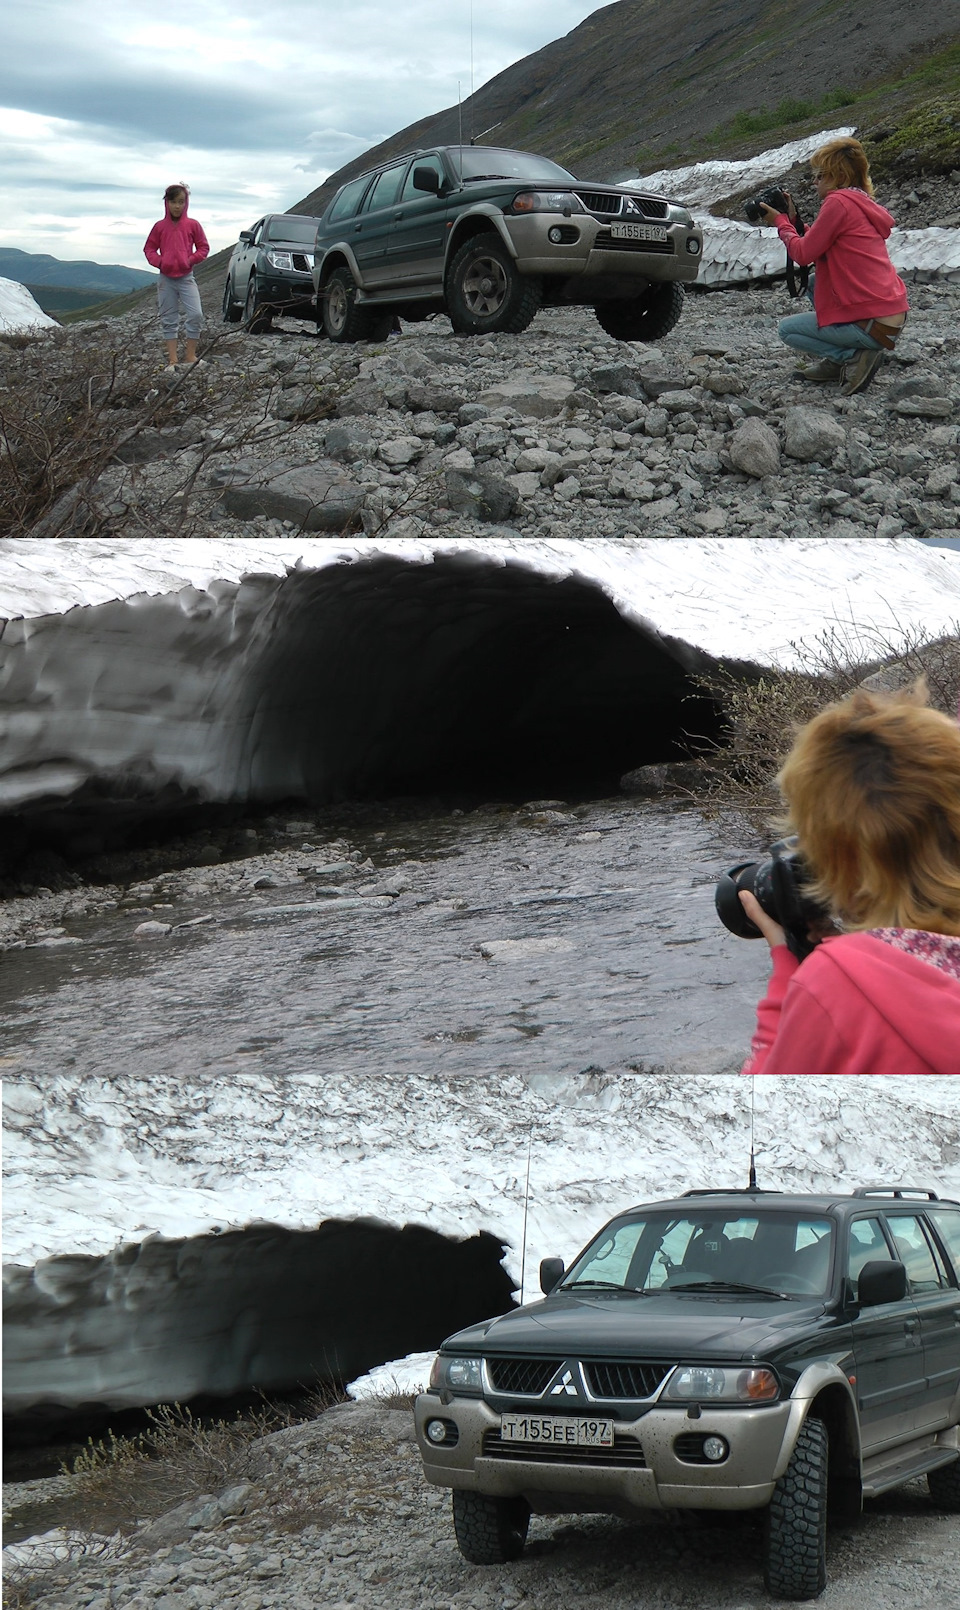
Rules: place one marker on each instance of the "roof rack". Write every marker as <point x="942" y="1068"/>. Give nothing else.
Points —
<point x="900" y="1193"/>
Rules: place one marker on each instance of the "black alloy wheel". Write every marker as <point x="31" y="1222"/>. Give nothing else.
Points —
<point x="485" y="293"/>
<point x="643" y="318"/>
<point x="256" y="317"/>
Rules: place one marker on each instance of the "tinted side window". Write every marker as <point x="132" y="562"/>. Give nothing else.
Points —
<point x="386" y="188"/>
<point x="867" y="1242"/>
<point x="914" y="1250"/>
<point x="348" y="200"/>
<point x="947" y="1221"/>
<point x="409" y="193"/>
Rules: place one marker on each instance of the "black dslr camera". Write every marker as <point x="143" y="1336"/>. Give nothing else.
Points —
<point x="778" y="884"/>
<point x="773" y="197"/>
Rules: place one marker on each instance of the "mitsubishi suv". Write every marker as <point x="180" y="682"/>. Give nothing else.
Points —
<point x="729" y="1350"/>
<point x="488" y="237"/>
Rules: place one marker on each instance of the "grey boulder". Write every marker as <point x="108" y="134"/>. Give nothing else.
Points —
<point x="315" y="497"/>
<point x="754" y="448"/>
<point x="481" y="495"/>
<point x="812" y="435"/>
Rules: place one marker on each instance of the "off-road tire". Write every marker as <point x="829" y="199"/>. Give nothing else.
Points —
<point x="342" y="319"/>
<point x="944" y="1485"/>
<point x="643" y="318"/>
<point x="231" y="309"/>
<point x="485" y="294"/>
<point x="256" y="317"/>
<point x="490" y="1531"/>
<point x="795" y="1523"/>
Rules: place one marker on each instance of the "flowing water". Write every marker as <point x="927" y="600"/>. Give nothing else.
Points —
<point x="622" y="965"/>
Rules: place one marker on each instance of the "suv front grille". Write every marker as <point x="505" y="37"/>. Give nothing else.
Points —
<point x="526" y="1376"/>
<point x="613" y="1379"/>
<point x="649" y="207"/>
<point x="302" y="263"/>
<point x="625" y="1451"/>
<point x="597" y="202"/>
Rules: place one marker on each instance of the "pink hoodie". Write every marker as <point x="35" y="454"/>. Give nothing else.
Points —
<point x="862" y="1003"/>
<point x="176" y="245"/>
<point x="855" y="278"/>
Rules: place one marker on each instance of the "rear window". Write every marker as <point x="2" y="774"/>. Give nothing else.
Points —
<point x="349" y="199"/>
<point x="297" y="230"/>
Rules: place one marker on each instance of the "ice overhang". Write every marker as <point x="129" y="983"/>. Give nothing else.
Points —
<point x="323" y="668"/>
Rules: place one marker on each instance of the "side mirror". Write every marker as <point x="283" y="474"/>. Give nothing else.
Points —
<point x="881" y="1281"/>
<point x="246" y="234"/>
<point x="551" y="1273"/>
<point x="426" y="179"/>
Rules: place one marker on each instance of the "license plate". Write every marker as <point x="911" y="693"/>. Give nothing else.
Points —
<point x="638" y="231"/>
<point x="567" y="1431"/>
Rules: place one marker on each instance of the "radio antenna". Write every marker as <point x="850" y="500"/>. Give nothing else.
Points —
<point x="752" y="1182"/>
<point x="526" y="1207"/>
<point x="460" y="135"/>
<point x="471" y="72"/>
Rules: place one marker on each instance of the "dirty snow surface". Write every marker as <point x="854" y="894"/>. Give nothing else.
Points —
<point x="19" y="312"/>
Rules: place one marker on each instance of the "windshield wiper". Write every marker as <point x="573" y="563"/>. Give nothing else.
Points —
<point x="607" y="1285"/>
<point x="475" y="178"/>
<point x="727" y="1285"/>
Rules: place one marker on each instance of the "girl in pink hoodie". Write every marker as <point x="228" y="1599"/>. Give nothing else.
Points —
<point x="174" y="245"/>
<point x="872" y="787"/>
<point x="860" y="302"/>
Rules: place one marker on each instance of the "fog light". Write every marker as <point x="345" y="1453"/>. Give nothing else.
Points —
<point x="555" y="234"/>
<point x="436" y="1431"/>
<point x="714" y="1449"/>
<point x="693" y="246"/>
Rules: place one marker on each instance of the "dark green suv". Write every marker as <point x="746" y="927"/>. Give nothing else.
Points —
<point x="726" y="1351"/>
<point x="489" y="237"/>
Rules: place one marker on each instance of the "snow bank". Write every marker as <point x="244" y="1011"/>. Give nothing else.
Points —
<point x="19" y="313"/>
<point x="735" y="252"/>
<point x="200" y="666"/>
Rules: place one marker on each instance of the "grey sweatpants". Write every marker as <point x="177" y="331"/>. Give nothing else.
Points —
<point x="175" y="297"/>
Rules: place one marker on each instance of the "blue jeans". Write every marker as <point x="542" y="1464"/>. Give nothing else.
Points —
<point x="841" y="342"/>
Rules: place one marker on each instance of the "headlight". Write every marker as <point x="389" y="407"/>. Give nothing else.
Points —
<point x="545" y="201"/>
<point x="280" y="259"/>
<point x="698" y="1384"/>
<point x="457" y="1374"/>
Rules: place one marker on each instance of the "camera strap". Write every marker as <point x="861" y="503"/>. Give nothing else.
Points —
<point x="797" y="278"/>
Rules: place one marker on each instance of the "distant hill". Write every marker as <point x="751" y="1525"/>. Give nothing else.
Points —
<point x="643" y="84"/>
<point x="38" y="269"/>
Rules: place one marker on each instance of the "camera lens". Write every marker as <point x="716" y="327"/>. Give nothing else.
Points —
<point x="729" y="909"/>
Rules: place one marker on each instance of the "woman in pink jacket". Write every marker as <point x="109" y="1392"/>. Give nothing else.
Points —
<point x="860" y="302"/>
<point x="175" y="245"/>
<point x="872" y="787"/>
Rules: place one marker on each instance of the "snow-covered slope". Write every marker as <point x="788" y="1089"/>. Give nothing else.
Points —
<point x="735" y="251"/>
<point x="97" y="1171"/>
<point x="19" y="313"/>
<point x="202" y="665"/>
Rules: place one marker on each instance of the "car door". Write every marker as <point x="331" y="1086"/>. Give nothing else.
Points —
<point x="417" y="241"/>
<point x="938" y="1305"/>
<point x="372" y="225"/>
<point x="245" y="261"/>
<point x="887" y="1348"/>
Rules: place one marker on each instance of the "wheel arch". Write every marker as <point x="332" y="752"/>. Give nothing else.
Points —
<point x="337" y="257"/>
<point x="481" y="222"/>
<point x="825" y="1393"/>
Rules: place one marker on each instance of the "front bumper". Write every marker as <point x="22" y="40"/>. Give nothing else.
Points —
<point x="594" y="254"/>
<point x="276" y="288"/>
<point x="655" y="1477"/>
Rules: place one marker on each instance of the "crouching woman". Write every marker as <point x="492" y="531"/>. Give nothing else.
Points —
<point x="872" y="789"/>
<point x="860" y="301"/>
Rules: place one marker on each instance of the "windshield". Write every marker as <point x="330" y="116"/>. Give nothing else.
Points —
<point x="297" y="231"/>
<point x="709" y="1250"/>
<point x="487" y="162"/>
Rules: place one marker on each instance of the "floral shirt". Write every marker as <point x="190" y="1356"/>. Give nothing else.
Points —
<point x="940" y="950"/>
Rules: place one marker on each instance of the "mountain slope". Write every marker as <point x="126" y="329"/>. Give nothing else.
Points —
<point x="39" y="268"/>
<point x="644" y="76"/>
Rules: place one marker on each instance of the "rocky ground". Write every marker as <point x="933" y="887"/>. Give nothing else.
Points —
<point x="560" y="431"/>
<point x="335" y="1512"/>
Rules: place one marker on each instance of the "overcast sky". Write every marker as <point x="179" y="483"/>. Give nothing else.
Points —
<point x="252" y="104"/>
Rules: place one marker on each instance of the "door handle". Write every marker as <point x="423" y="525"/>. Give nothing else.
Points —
<point x="397" y="217"/>
<point x="357" y="228"/>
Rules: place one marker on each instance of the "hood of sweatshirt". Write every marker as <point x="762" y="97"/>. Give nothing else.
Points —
<point x="917" y="999"/>
<point x="858" y="201"/>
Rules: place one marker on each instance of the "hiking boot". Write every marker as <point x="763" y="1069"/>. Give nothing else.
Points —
<point x="826" y="369"/>
<point x="858" y="374"/>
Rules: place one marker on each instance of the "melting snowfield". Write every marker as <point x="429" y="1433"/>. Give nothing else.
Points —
<point x="169" y="1236"/>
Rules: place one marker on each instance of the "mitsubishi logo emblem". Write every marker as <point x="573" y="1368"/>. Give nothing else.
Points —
<point x="563" y="1385"/>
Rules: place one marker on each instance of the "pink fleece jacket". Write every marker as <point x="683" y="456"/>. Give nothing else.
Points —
<point x="176" y="245"/>
<point x="855" y="278"/>
<point x="862" y="1004"/>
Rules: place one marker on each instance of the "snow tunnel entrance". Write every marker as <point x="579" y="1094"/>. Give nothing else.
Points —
<point x="386" y="677"/>
<point x="262" y="1308"/>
